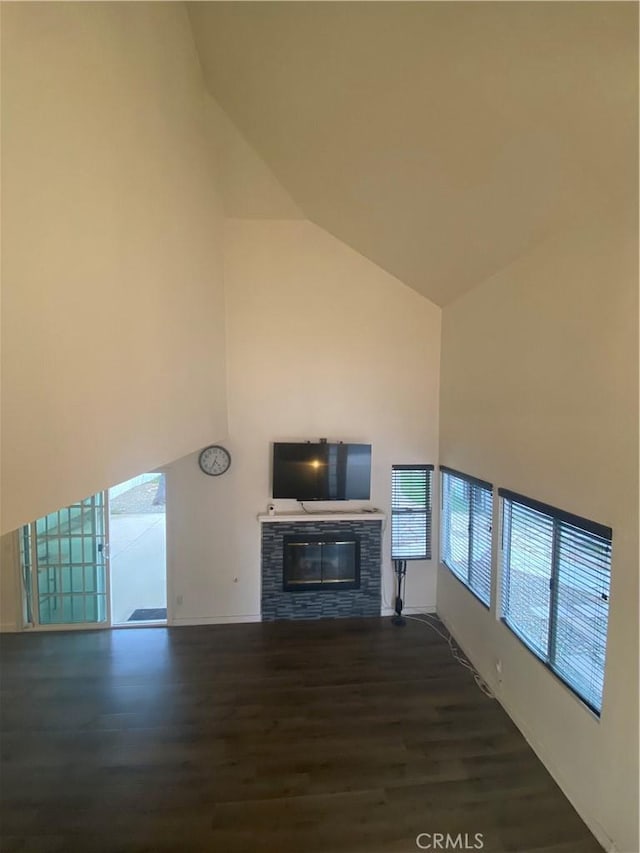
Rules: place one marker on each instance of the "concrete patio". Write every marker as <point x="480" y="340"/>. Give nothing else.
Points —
<point x="137" y="551"/>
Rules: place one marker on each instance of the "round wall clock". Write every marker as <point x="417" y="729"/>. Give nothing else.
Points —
<point x="214" y="460"/>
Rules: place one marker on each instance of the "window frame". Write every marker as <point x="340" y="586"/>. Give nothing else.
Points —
<point x="426" y="510"/>
<point x="561" y="521"/>
<point x="474" y="483"/>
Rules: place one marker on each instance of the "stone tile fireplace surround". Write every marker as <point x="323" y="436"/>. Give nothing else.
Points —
<point x="330" y="601"/>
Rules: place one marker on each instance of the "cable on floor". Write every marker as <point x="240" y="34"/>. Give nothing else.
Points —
<point x="456" y="652"/>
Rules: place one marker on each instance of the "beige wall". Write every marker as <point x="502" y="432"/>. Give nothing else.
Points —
<point x="113" y="303"/>
<point x="321" y="343"/>
<point x="540" y="395"/>
<point x="10" y="616"/>
<point x="248" y="187"/>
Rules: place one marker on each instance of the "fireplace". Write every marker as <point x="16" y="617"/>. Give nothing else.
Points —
<point x="321" y="563"/>
<point x="342" y="575"/>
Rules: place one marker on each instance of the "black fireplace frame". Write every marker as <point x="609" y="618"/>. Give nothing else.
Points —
<point x="323" y="586"/>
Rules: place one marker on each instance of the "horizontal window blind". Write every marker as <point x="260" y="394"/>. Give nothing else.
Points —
<point x="455" y="525"/>
<point x="555" y="590"/>
<point x="466" y="525"/>
<point x="411" y="512"/>
<point x="582" y="607"/>
<point x="526" y="589"/>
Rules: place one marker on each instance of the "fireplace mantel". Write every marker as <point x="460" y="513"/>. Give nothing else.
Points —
<point x="320" y="515"/>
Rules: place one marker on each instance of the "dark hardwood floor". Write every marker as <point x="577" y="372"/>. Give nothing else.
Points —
<point x="346" y="735"/>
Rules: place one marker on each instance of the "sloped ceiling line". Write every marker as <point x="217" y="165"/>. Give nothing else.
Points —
<point x="440" y="140"/>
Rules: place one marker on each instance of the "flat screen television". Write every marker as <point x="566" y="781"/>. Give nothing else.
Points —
<point x="321" y="471"/>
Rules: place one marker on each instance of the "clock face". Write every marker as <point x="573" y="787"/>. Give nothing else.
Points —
<point x="214" y="460"/>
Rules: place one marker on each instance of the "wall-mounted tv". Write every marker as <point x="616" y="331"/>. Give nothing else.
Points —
<point x="321" y="471"/>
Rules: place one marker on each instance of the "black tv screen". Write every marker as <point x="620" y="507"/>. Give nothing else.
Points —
<point x="321" y="471"/>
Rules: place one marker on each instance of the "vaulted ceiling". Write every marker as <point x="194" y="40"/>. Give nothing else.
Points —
<point x="441" y="140"/>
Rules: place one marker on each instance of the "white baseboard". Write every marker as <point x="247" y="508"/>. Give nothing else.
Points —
<point x="543" y="754"/>
<point x="409" y="611"/>
<point x="8" y="627"/>
<point x="215" y="620"/>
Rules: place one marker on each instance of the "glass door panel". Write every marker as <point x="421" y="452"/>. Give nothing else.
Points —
<point x="66" y="561"/>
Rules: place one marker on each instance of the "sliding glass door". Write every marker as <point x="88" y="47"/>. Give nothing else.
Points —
<point x="65" y="566"/>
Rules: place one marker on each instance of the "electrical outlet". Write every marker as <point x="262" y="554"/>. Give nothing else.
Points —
<point x="499" y="670"/>
<point x="179" y="600"/>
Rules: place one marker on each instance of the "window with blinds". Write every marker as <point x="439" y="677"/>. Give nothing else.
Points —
<point x="555" y="590"/>
<point x="411" y="512"/>
<point x="466" y="524"/>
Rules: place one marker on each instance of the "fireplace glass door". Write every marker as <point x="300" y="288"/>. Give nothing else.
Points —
<point x="321" y="563"/>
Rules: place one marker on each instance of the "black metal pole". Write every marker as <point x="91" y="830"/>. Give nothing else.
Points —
<point x="400" y="569"/>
